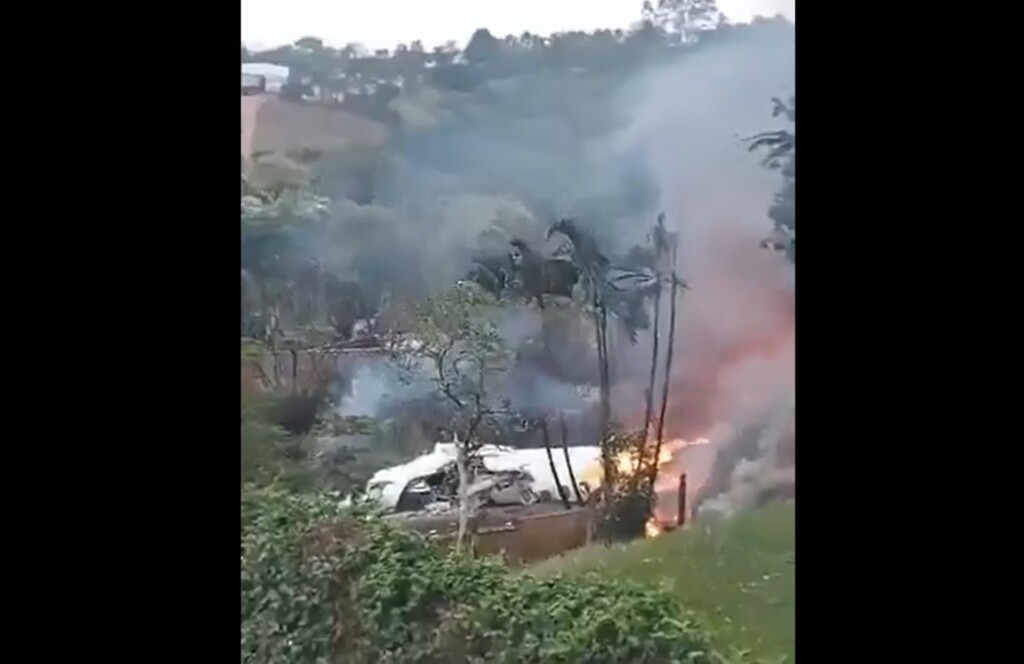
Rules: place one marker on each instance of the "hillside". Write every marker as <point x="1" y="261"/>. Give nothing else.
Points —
<point x="271" y="124"/>
<point x="737" y="576"/>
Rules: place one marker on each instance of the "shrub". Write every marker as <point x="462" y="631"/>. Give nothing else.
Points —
<point x="320" y="584"/>
<point x="627" y="497"/>
<point x="268" y="453"/>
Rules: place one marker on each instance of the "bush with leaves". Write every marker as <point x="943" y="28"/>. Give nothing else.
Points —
<point x="321" y="584"/>
<point x="261" y="448"/>
<point x="627" y="495"/>
<point x="269" y="453"/>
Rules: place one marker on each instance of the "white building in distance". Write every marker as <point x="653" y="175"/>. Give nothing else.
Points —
<point x="274" y="76"/>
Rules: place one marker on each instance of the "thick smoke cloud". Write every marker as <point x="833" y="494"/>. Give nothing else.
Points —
<point x="734" y="366"/>
<point x="671" y="140"/>
<point x="375" y="384"/>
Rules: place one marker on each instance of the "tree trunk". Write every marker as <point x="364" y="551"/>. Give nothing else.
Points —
<point x="649" y="405"/>
<point x="605" y="409"/>
<point x="599" y="338"/>
<point x="273" y="325"/>
<point x="564" y="430"/>
<point x="276" y="362"/>
<point x="551" y="462"/>
<point x="606" y="372"/>
<point x="462" y="462"/>
<point x="668" y="368"/>
<point x="607" y="360"/>
<point x="606" y="388"/>
<point x="546" y="332"/>
<point x="295" y="370"/>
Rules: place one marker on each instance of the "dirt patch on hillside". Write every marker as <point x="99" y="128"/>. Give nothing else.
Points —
<point x="271" y="124"/>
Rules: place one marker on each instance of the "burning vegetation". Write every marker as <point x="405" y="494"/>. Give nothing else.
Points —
<point x="665" y="514"/>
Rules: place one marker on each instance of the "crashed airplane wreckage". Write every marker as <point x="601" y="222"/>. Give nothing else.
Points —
<point x="502" y="476"/>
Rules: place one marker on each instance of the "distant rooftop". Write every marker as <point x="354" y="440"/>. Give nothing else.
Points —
<point x="272" y="72"/>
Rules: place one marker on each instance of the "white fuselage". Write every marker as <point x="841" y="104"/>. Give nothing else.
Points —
<point x="387" y="484"/>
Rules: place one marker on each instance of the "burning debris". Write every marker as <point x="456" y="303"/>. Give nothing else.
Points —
<point x="500" y="477"/>
<point x="438" y="492"/>
<point x="670" y="489"/>
<point x="668" y="509"/>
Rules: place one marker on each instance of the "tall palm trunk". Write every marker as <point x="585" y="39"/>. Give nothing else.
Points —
<point x="602" y="417"/>
<point x="545" y="337"/>
<point x="649" y="405"/>
<point x="606" y="365"/>
<point x="551" y="462"/>
<point x="605" y="406"/>
<point x="668" y="369"/>
<point x="564" y="430"/>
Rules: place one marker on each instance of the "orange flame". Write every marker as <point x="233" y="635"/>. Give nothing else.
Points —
<point x="625" y="463"/>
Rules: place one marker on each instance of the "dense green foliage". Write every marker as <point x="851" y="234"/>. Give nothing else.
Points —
<point x="320" y="584"/>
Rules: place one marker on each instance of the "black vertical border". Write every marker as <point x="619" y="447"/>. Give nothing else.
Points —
<point x="153" y="260"/>
<point x="878" y="388"/>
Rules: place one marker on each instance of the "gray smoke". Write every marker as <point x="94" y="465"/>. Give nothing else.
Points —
<point x="670" y="139"/>
<point x="376" y="382"/>
<point x="734" y="370"/>
<point x="767" y="471"/>
<point x="369" y="388"/>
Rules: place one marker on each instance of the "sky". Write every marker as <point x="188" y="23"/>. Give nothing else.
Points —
<point x="385" y="23"/>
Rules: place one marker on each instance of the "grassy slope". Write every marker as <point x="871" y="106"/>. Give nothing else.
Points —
<point x="737" y="576"/>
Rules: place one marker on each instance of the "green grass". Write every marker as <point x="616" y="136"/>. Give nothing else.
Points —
<point x="737" y="576"/>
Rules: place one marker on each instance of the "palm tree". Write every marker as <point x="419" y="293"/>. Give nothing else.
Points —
<point x="660" y="242"/>
<point x="676" y="284"/>
<point x="780" y="143"/>
<point x="594" y="267"/>
<point x="522" y="272"/>
<point x="781" y="156"/>
<point x="608" y="289"/>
